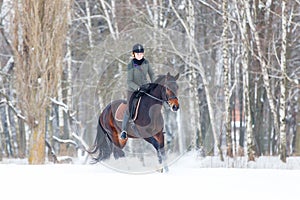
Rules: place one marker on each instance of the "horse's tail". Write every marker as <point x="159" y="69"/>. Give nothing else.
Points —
<point x="102" y="146"/>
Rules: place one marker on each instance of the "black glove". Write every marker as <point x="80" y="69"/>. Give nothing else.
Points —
<point x="138" y="94"/>
<point x="141" y="90"/>
<point x="144" y="88"/>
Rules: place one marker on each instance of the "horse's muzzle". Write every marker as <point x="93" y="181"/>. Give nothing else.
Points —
<point x="175" y="107"/>
<point x="174" y="104"/>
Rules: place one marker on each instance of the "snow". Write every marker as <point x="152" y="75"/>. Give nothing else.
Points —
<point x="189" y="177"/>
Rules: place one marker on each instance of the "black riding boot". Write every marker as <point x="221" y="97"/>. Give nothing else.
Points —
<point x="123" y="134"/>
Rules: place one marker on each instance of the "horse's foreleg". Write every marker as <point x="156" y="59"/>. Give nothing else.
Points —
<point x="158" y="143"/>
<point x="162" y="158"/>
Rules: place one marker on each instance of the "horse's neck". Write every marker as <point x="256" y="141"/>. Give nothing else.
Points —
<point x="157" y="94"/>
<point x="154" y="99"/>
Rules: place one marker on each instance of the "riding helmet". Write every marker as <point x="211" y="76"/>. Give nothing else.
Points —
<point x="138" y="48"/>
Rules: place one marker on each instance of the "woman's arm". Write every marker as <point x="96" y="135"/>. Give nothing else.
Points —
<point x="132" y="86"/>
<point x="151" y="73"/>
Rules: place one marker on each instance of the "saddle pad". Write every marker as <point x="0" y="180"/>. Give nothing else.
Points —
<point x="120" y="112"/>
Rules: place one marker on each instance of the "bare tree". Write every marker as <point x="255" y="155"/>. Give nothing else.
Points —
<point x="201" y="71"/>
<point x="110" y="16"/>
<point x="39" y="34"/>
<point x="243" y="27"/>
<point x="263" y="65"/>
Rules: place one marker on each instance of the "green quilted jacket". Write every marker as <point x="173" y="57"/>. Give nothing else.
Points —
<point x="137" y="75"/>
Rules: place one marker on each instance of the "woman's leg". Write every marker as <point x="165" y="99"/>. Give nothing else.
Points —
<point x="123" y="134"/>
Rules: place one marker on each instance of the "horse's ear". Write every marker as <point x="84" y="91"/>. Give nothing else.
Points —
<point x="177" y="76"/>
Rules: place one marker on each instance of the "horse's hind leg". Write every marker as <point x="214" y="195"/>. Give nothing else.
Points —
<point x="114" y="130"/>
<point x="117" y="152"/>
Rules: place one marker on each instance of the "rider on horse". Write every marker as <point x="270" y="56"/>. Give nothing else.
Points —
<point x="137" y="70"/>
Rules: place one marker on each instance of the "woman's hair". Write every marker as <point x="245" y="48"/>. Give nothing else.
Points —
<point x="132" y="54"/>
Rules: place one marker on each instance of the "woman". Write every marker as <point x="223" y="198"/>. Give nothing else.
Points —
<point x="137" y="70"/>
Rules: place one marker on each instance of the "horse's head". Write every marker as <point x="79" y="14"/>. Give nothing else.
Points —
<point x="171" y="87"/>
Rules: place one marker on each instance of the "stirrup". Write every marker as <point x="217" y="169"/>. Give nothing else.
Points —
<point x="123" y="135"/>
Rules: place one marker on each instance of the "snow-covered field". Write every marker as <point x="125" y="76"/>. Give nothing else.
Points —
<point x="189" y="177"/>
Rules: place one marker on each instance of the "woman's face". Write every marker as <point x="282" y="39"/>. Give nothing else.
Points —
<point x="138" y="56"/>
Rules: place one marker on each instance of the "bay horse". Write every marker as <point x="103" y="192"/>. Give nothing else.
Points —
<point x="148" y="122"/>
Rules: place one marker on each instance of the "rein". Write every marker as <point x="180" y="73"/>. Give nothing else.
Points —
<point x="153" y="97"/>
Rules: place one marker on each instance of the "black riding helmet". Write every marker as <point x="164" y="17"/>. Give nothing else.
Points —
<point x="138" y="48"/>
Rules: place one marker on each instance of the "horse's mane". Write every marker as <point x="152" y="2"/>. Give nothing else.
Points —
<point x="159" y="78"/>
<point x="157" y="82"/>
<point x="151" y="86"/>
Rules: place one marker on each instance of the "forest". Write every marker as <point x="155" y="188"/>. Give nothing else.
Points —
<point x="62" y="62"/>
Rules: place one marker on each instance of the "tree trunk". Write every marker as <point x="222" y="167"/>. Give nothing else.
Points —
<point x="297" y="137"/>
<point x="37" y="144"/>
<point x="282" y="109"/>
<point x="246" y="96"/>
<point x="88" y="23"/>
<point x="226" y="79"/>
<point x="241" y="97"/>
<point x="5" y="125"/>
<point x="193" y="78"/>
<point x="1" y="139"/>
<point x="22" y="138"/>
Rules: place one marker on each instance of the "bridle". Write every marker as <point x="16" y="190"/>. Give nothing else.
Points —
<point x="167" y="99"/>
<point x="170" y="97"/>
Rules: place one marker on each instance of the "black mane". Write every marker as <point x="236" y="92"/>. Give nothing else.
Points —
<point x="159" y="79"/>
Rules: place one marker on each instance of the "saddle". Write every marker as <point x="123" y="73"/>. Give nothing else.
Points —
<point x="134" y="103"/>
<point x="133" y="111"/>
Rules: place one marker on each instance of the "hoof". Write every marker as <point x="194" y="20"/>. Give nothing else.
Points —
<point x="123" y="135"/>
